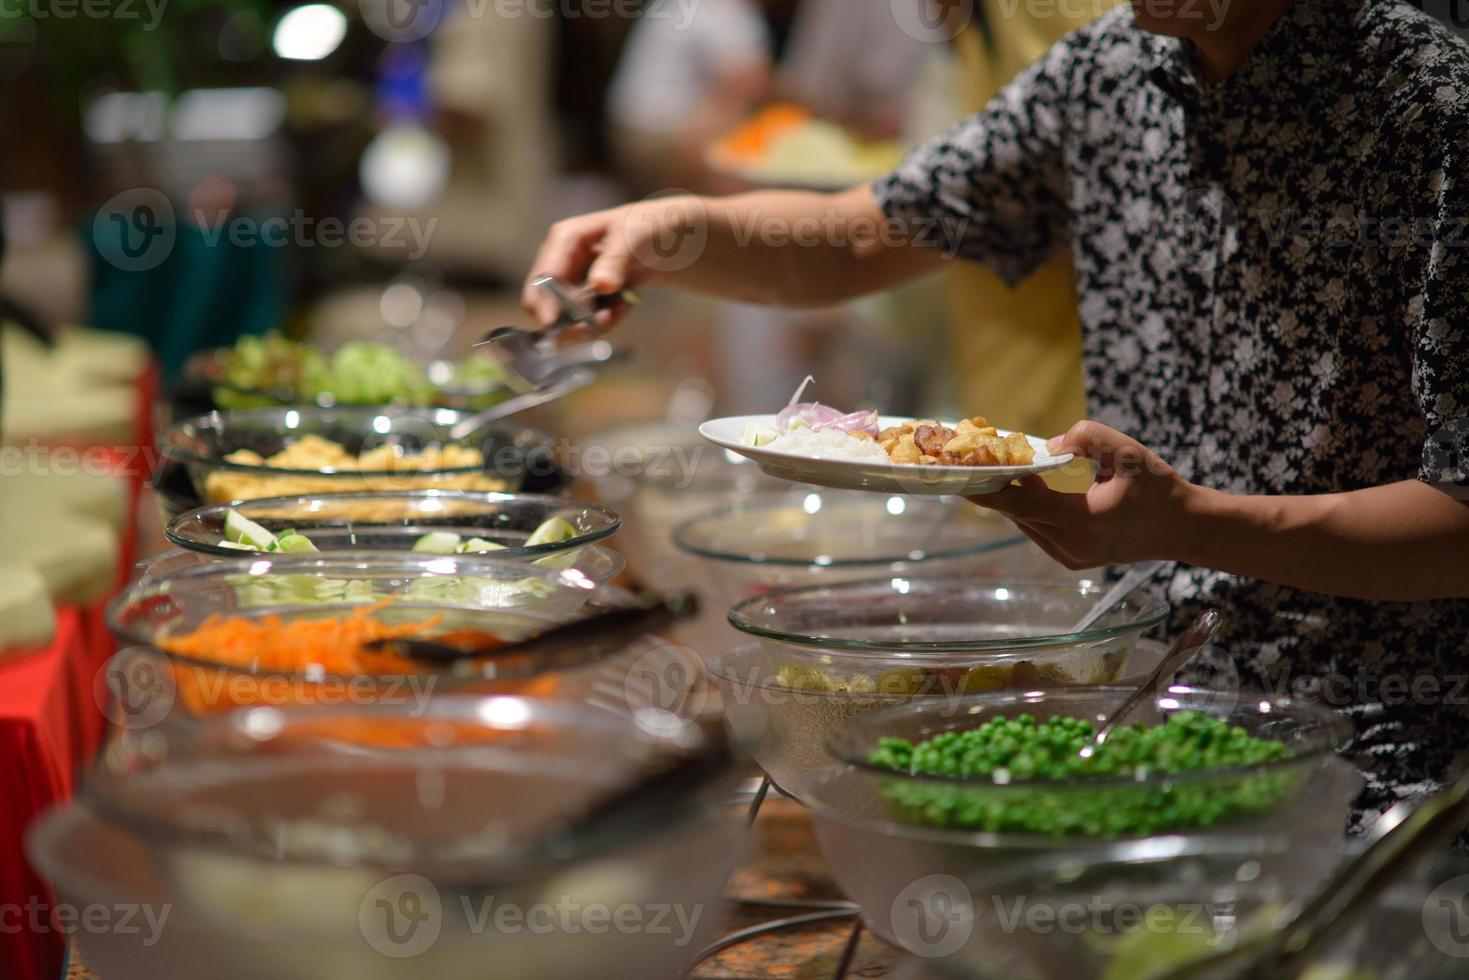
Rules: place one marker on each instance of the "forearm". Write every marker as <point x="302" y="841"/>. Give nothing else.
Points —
<point x="795" y="248"/>
<point x="1405" y="541"/>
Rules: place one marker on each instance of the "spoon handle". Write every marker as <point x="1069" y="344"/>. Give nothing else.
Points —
<point x="1199" y="633"/>
<point x="1134" y="577"/>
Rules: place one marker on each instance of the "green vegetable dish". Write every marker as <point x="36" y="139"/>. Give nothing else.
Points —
<point x="260" y="372"/>
<point x="1021" y="776"/>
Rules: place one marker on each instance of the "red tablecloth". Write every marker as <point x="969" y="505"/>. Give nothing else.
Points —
<point x="45" y="703"/>
<point x="51" y="725"/>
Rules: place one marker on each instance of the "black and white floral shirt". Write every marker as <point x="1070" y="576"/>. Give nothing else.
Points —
<point x="1273" y="279"/>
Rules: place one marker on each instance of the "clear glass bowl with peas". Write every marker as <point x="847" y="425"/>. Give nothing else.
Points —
<point x="884" y="824"/>
<point x="1009" y="762"/>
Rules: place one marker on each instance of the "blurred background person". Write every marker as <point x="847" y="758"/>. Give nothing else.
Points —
<point x="1016" y="350"/>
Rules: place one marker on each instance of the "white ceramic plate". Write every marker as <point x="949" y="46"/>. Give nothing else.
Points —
<point x="933" y="481"/>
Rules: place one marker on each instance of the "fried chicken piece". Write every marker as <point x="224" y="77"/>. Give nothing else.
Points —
<point x="933" y="438"/>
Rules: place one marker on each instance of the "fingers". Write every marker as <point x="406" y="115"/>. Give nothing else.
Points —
<point x="1036" y="533"/>
<point x="567" y="253"/>
<point x="1112" y="451"/>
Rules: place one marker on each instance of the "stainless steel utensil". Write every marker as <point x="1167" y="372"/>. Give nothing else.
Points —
<point x="536" y="354"/>
<point x="1198" y="634"/>
<point x="1348" y="891"/>
<point x="559" y="387"/>
<point x="1126" y="586"/>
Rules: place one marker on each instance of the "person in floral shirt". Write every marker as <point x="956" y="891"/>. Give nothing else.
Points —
<point x="1267" y="209"/>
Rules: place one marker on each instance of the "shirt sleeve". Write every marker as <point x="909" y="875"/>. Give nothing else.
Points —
<point x="1441" y="330"/>
<point x="993" y="189"/>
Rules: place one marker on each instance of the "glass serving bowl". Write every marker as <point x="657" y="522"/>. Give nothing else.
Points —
<point x="659" y="476"/>
<point x="509" y="451"/>
<point x="283" y="849"/>
<point x="460" y="594"/>
<point x="881" y="830"/>
<point x="754" y="544"/>
<point x="831" y="653"/>
<point x="1154" y="905"/>
<point x="394" y="522"/>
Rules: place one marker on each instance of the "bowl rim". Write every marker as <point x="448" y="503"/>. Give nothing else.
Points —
<point x="162" y="585"/>
<point x="167" y="439"/>
<point x="781" y="499"/>
<point x="1155" y="612"/>
<point x="610" y="520"/>
<point x="1157" y="849"/>
<point x="838" y="743"/>
<point x="668" y="733"/>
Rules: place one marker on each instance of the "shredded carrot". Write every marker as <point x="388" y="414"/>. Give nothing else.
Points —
<point x="270" y="643"/>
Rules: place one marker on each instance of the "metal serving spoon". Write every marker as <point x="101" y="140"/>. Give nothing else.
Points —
<point x="563" y="385"/>
<point x="1126" y="586"/>
<point x="1198" y="634"/>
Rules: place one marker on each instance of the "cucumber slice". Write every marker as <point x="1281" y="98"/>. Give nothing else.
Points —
<point x="438" y="543"/>
<point x="758" y="435"/>
<point x="240" y="529"/>
<point x="550" y="532"/>
<point x="474" y="545"/>
<point x="292" y="542"/>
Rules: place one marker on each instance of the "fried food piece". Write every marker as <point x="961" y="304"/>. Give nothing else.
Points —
<point x="933" y="439"/>
<point x="905" y="450"/>
<point x="864" y="436"/>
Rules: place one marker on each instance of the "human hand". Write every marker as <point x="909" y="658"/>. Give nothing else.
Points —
<point x="611" y="251"/>
<point x="1138" y="508"/>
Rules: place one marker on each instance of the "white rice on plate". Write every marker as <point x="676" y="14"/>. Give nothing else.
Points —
<point x="828" y="444"/>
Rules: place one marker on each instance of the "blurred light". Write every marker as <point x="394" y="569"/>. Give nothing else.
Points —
<point x="1168" y="704"/>
<point x="382" y="424"/>
<point x="120" y="117"/>
<point x="263" y="723"/>
<point x="505" y="713"/>
<point x="896" y="505"/>
<point x="405" y="167"/>
<point x="205" y="114"/>
<point x="1002" y="594"/>
<point x="812" y="503"/>
<point x="901" y="586"/>
<point x="292" y="419"/>
<point x="310" y="33"/>
<point x="401" y="304"/>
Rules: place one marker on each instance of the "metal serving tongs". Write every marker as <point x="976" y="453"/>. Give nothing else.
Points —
<point x="1346" y="893"/>
<point x="537" y="354"/>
